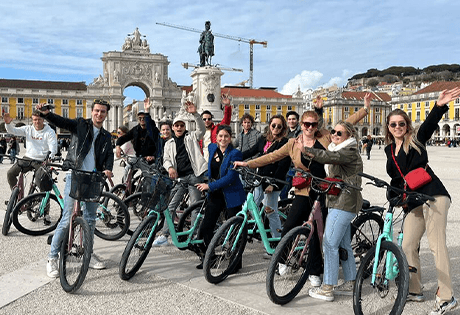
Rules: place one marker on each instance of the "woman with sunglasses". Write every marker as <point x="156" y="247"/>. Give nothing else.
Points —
<point x="343" y="161"/>
<point x="405" y="152"/>
<point x="272" y="140"/>
<point x="312" y="137"/>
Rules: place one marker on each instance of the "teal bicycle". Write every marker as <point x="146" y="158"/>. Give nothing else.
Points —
<point x="29" y="214"/>
<point x="382" y="281"/>
<point x="226" y="247"/>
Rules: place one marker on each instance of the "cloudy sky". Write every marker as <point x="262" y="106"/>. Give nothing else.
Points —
<point x="310" y="43"/>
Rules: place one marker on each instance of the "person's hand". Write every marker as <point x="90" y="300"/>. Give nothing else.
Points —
<point x="367" y="101"/>
<point x="202" y="187"/>
<point x="147" y="105"/>
<point x="299" y="144"/>
<point x="172" y="173"/>
<point x="39" y="108"/>
<point x="225" y="100"/>
<point x="319" y="102"/>
<point x="269" y="189"/>
<point x="108" y="174"/>
<point x="118" y="151"/>
<point x="7" y="118"/>
<point x="447" y="96"/>
<point x="150" y="158"/>
<point x="190" y="107"/>
<point x="240" y="163"/>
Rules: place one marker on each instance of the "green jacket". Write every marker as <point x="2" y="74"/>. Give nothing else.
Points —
<point x="345" y="164"/>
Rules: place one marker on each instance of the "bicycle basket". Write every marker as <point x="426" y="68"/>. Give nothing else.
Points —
<point x="155" y="191"/>
<point x="43" y="179"/>
<point x="86" y="186"/>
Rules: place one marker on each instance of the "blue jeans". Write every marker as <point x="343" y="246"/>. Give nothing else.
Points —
<point x="270" y="200"/>
<point x="89" y="214"/>
<point x="338" y="234"/>
<point x="284" y="192"/>
<point x="178" y="193"/>
<point x="13" y="155"/>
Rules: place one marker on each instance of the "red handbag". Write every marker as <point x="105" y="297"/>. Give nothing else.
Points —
<point x="415" y="178"/>
<point x="300" y="182"/>
<point x="335" y="191"/>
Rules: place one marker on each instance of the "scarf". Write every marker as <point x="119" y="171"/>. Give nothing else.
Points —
<point x="336" y="147"/>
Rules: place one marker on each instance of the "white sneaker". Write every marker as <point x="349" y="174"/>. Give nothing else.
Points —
<point x="444" y="307"/>
<point x="160" y="241"/>
<point x="52" y="268"/>
<point x="96" y="262"/>
<point x="315" y="281"/>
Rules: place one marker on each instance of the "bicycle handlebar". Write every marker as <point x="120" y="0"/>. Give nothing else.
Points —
<point x="244" y="171"/>
<point x="341" y="184"/>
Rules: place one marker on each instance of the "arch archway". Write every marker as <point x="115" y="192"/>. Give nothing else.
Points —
<point x="446" y="130"/>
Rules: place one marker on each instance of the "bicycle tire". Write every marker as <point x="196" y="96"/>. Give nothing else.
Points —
<point x="365" y="230"/>
<point x="220" y="260"/>
<point x="119" y="190"/>
<point x="283" y="288"/>
<point x="137" y="249"/>
<point x="8" y="220"/>
<point x="185" y="221"/>
<point x="73" y="264"/>
<point x="112" y="218"/>
<point x="29" y="218"/>
<point x="384" y="290"/>
<point x="137" y="211"/>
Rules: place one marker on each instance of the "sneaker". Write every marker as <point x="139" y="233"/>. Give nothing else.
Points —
<point x="160" y="241"/>
<point x="444" y="307"/>
<point x="96" y="263"/>
<point x="345" y="288"/>
<point x="325" y="293"/>
<point x="267" y="256"/>
<point x="52" y="268"/>
<point x="47" y="220"/>
<point x="315" y="281"/>
<point x="282" y="269"/>
<point x="413" y="297"/>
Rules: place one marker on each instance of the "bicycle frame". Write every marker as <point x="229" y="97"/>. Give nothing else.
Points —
<point x="75" y="213"/>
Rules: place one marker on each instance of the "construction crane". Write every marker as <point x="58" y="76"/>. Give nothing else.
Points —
<point x="251" y="43"/>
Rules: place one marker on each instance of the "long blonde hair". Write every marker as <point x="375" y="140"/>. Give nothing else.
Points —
<point x="410" y="138"/>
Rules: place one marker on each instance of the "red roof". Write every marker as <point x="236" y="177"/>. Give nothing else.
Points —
<point x="257" y="93"/>
<point x="360" y="96"/>
<point x="50" y="85"/>
<point x="439" y="86"/>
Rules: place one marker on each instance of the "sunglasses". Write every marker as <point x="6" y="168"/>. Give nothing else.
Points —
<point x="400" y="124"/>
<point x="337" y="133"/>
<point x="275" y="126"/>
<point x="205" y="119"/>
<point x="310" y="124"/>
<point x="179" y="125"/>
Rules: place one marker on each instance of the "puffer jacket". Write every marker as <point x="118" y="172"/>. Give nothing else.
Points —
<point x="345" y="164"/>
<point x="82" y="138"/>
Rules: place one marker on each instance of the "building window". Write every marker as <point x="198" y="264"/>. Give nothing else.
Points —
<point x="346" y="108"/>
<point x="427" y="112"/>
<point x="4" y="99"/>
<point x="246" y="106"/>
<point x="457" y="113"/>
<point x="268" y="116"/>
<point x="446" y="116"/>
<point x="65" y="102"/>
<point x="35" y="101"/>
<point x="418" y="104"/>
<point x="356" y="109"/>
<point x="65" y="112"/>
<point x="377" y="119"/>
<point x="366" y="119"/>
<point x="20" y="115"/>
<point x="427" y="104"/>
<point x="418" y="116"/>
<point x="79" y="102"/>
<point x="409" y="105"/>
<point x="20" y="100"/>
<point x="269" y="107"/>
<point x="50" y="101"/>
<point x="346" y="116"/>
<point x="79" y="112"/>
<point x="289" y="107"/>
<point x="5" y="109"/>
<point x="410" y="115"/>
<point x="377" y="110"/>
<point x="257" y="107"/>
<point x="457" y="101"/>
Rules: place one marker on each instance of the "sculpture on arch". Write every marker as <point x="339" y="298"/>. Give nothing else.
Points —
<point x="206" y="48"/>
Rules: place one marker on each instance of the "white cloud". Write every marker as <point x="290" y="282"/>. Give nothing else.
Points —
<point x="305" y="80"/>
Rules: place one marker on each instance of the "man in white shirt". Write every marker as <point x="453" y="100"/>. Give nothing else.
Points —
<point x="40" y="138"/>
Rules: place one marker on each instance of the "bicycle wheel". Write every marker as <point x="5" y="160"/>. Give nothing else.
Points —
<point x="7" y="220"/>
<point x="37" y="214"/>
<point x="225" y="250"/>
<point x="386" y="296"/>
<point x="137" y="248"/>
<point x="136" y="210"/>
<point x="75" y="255"/>
<point x="287" y="270"/>
<point x="112" y="217"/>
<point x="365" y="231"/>
<point x="185" y="221"/>
<point x="119" y="191"/>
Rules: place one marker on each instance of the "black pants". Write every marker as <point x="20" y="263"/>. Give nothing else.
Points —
<point x="298" y="214"/>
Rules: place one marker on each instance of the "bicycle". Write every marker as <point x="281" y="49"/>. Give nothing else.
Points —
<point x="112" y="218"/>
<point x="289" y="267"/>
<point x="18" y="191"/>
<point x="157" y="199"/>
<point x="382" y="281"/>
<point x="226" y="247"/>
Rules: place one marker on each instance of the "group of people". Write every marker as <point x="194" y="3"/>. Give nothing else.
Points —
<point x="292" y="142"/>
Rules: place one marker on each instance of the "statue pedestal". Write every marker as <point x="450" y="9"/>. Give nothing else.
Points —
<point x="206" y="84"/>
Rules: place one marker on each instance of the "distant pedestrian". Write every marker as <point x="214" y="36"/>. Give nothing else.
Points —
<point x="368" y="142"/>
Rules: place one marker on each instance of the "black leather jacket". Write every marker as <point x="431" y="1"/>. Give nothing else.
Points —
<point x="82" y="138"/>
